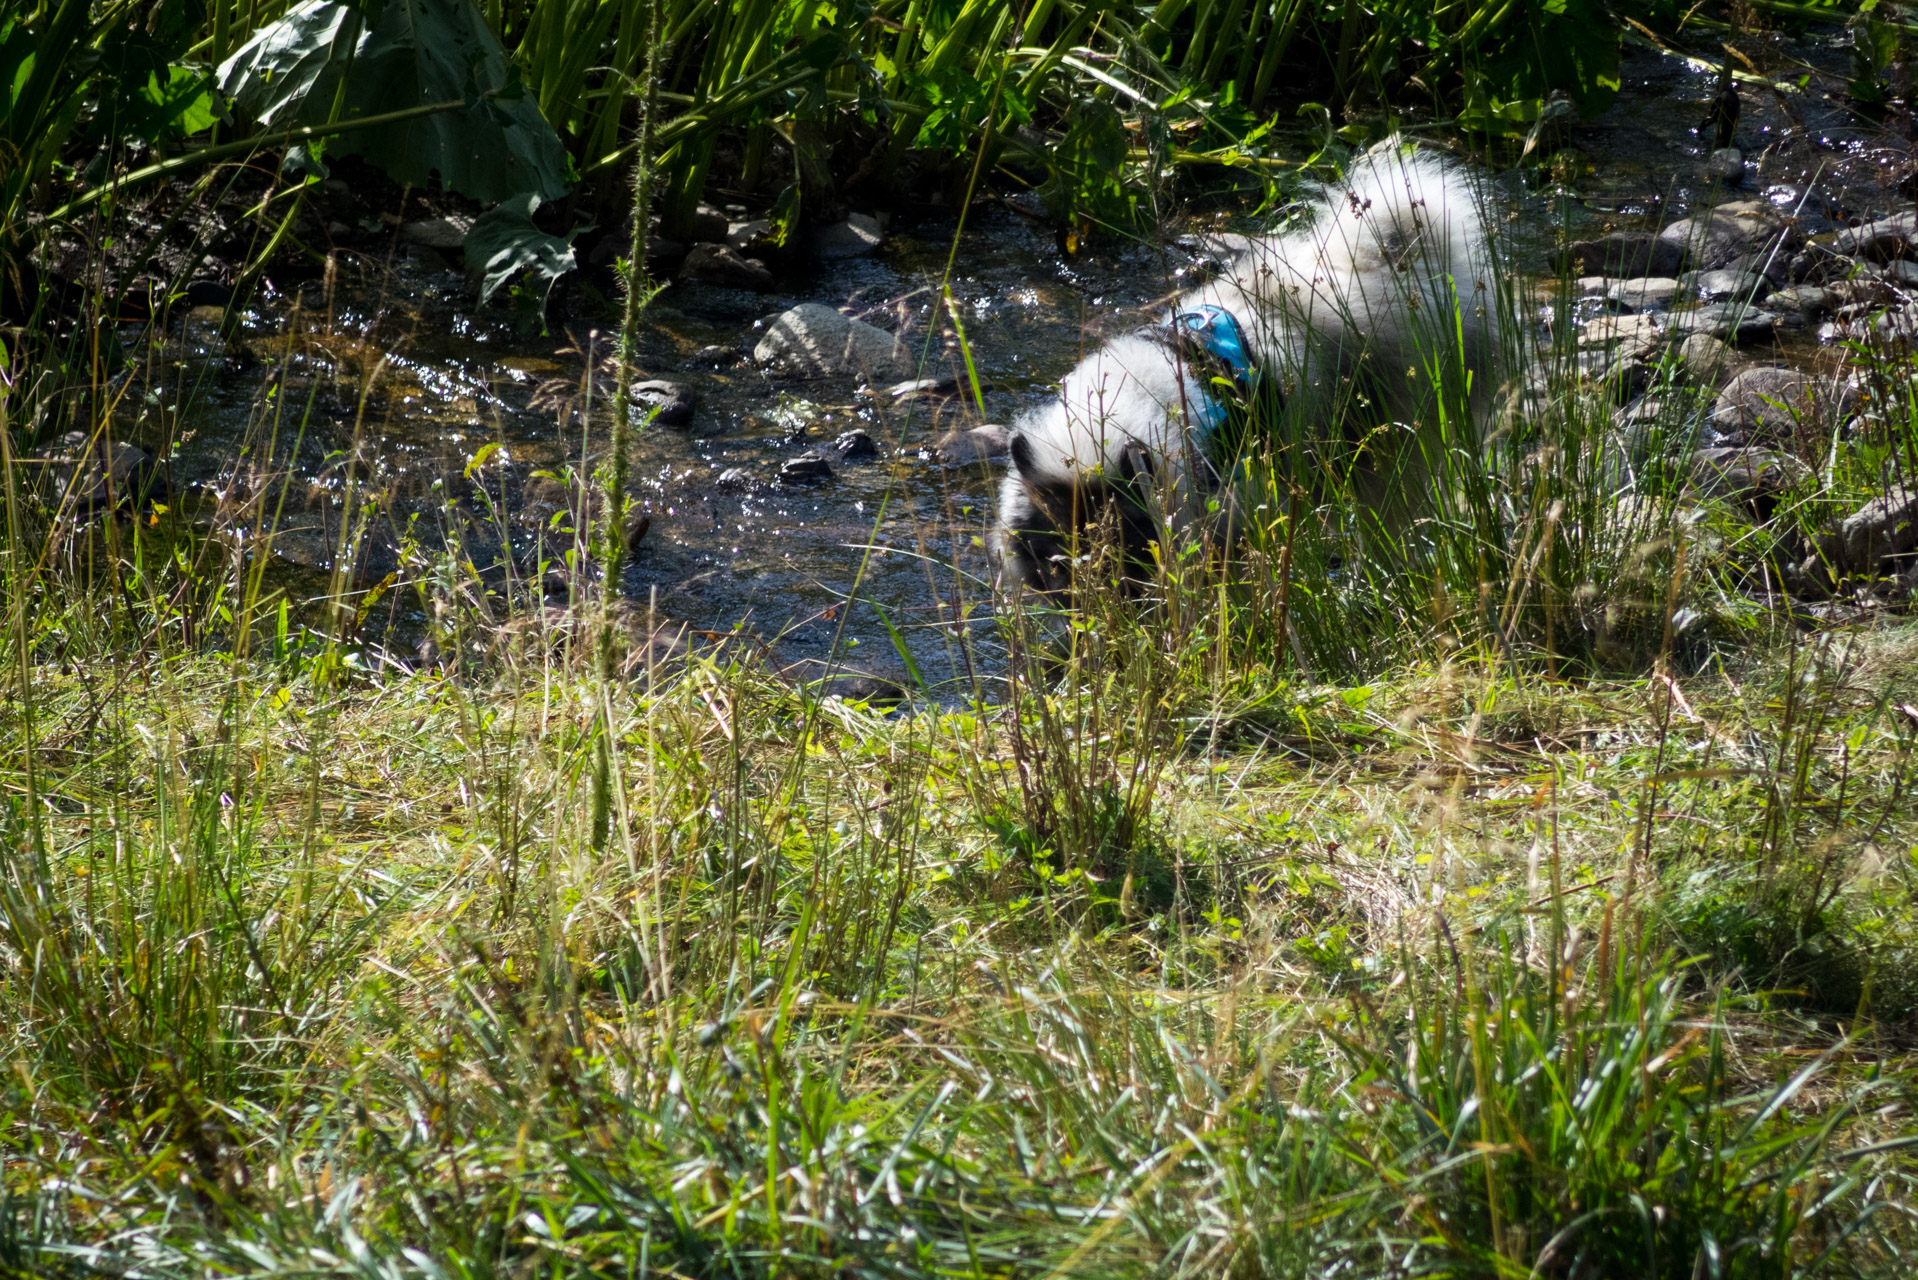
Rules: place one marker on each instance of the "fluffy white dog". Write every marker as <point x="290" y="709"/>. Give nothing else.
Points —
<point x="1356" y="326"/>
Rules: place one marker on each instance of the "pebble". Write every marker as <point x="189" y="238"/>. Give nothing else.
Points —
<point x="1727" y="165"/>
<point x="736" y="480"/>
<point x="721" y="264"/>
<point x="856" y="237"/>
<point x="717" y="357"/>
<point x="673" y="400"/>
<point x="923" y="389"/>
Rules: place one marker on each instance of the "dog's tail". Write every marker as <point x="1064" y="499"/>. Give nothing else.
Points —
<point x="1404" y="227"/>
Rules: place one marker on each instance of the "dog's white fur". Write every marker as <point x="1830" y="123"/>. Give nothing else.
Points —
<point x="1403" y="233"/>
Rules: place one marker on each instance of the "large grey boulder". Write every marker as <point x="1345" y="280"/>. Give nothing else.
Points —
<point x="1880" y="241"/>
<point x="1781" y="404"/>
<point x="1717" y="236"/>
<point x="814" y="341"/>
<point x="1883" y="528"/>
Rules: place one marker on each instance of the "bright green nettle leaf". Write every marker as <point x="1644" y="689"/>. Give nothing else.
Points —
<point x="327" y="61"/>
<point x="505" y="242"/>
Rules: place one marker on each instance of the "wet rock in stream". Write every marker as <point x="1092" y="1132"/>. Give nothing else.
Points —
<point x="673" y="401"/>
<point x="82" y="477"/>
<point x="855" y="444"/>
<point x="980" y="444"/>
<point x="724" y="265"/>
<point x="1714" y="237"/>
<point x="1621" y="254"/>
<point x="814" y="340"/>
<point x="810" y="467"/>
<point x="856" y="237"/>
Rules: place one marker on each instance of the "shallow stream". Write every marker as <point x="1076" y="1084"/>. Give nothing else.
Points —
<point x="780" y="560"/>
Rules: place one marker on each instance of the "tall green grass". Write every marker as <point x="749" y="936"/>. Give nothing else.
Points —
<point x="1267" y="921"/>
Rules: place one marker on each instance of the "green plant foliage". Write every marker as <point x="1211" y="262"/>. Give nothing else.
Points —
<point x="504" y="242"/>
<point x="325" y="61"/>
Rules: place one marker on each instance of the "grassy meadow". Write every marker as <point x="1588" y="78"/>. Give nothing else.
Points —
<point x="1517" y="883"/>
<point x="1282" y="919"/>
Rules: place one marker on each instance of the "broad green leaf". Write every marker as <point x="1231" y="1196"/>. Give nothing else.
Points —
<point x="505" y="242"/>
<point x="416" y="52"/>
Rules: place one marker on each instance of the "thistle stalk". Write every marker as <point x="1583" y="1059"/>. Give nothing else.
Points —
<point x="638" y="292"/>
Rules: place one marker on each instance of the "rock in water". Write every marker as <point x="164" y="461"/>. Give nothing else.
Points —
<point x="1880" y="241"/>
<point x="447" y="235"/>
<point x="1707" y="361"/>
<point x="753" y="238"/>
<point x="84" y="477"/>
<point x="722" y="264"/>
<point x="1715" y="237"/>
<point x="805" y="469"/>
<point x="855" y="444"/>
<point x="813" y="340"/>
<point x="981" y="444"/>
<point x="1727" y="164"/>
<point x="1642" y="292"/>
<point x="1745" y="286"/>
<point x="673" y="400"/>
<point x="1729" y="320"/>
<point x="856" y="237"/>
<point x="1621" y="254"/>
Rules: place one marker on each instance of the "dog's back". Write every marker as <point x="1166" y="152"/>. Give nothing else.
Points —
<point x="1386" y="300"/>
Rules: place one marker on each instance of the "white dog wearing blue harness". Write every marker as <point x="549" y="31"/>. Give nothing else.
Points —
<point x="1383" y="303"/>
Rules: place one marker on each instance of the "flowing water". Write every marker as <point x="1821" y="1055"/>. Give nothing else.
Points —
<point x="464" y="425"/>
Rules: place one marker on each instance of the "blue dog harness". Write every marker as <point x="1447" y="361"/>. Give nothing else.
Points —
<point x="1211" y="334"/>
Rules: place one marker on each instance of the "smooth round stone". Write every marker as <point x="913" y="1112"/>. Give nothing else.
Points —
<point x="1644" y="292"/>
<point x="855" y="444"/>
<point x="1727" y="320"/>
<point x="807" y="468"/>
<point x="1724" y="283"/>
<point x="673" y="400"/>
<point x="981" y="444"/>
